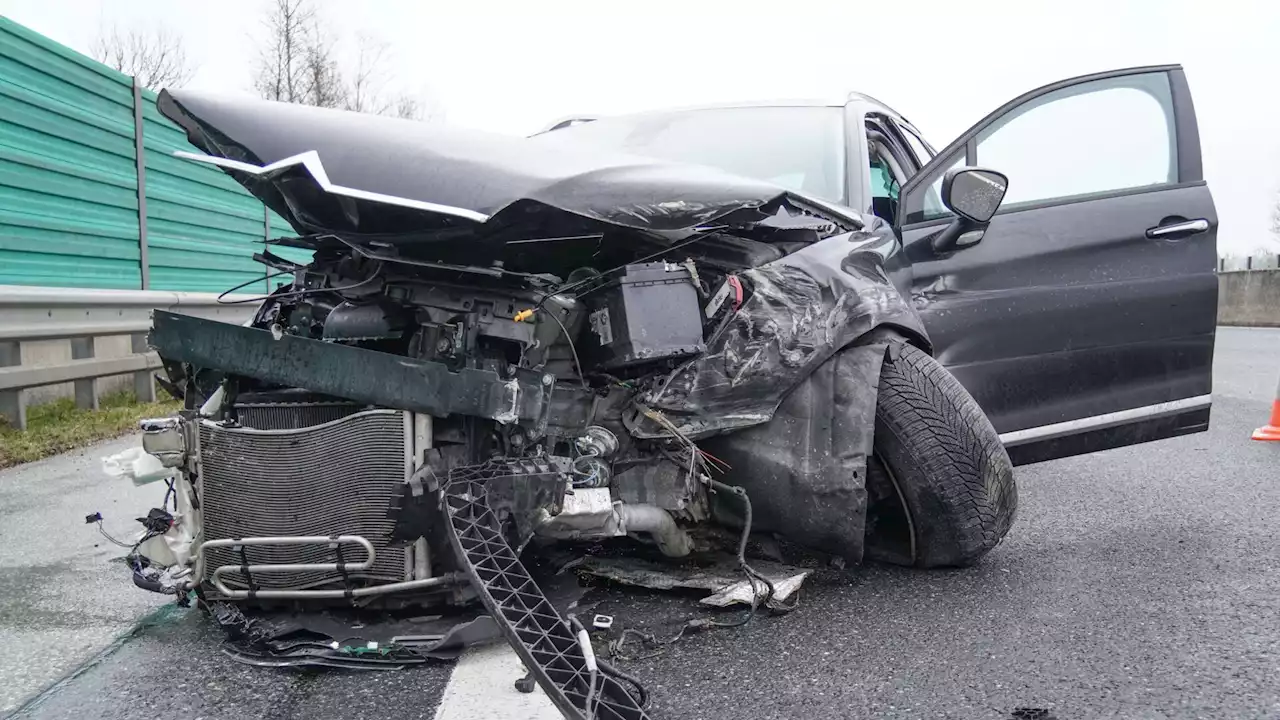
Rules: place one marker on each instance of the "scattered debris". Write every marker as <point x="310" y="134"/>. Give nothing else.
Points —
<point x="526" y="684"/>
<point x="722" y="577"/>
<point x="1029" y="713"/>
<point x="346" y="638"/>
<point x="137" y="466"/>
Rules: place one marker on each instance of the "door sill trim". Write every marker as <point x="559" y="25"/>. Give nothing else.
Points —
<point x="1102" y="422"/>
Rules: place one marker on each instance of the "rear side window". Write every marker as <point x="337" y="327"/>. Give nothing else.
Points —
<point x="1104" y="136"/>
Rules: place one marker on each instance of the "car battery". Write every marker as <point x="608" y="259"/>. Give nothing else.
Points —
<point x="647" y="312"/>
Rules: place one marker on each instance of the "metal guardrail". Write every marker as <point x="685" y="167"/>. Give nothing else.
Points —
<point x="1244" y="263"/>
<point x="39" y="313"/>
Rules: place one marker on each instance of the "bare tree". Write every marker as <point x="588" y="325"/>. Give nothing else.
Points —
<point x="366" y="89"/>
<point x="283" y="71"/>
<point x="323" y="78"/>
<point x="298" y="63"/>
<point x="156" y="59"/>
<point x="365" y="85"/>
<point x="408" y="108"/>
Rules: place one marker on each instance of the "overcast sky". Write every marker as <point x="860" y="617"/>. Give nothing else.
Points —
<point x="514" y="66"/>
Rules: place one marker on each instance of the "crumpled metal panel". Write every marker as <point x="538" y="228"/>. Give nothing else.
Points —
<point x="202" y="227"/>
<point x="805" y="470"/>
<point x="722" y="577"/>
<point x="476" y="174"/>
<point x="786" y="393"/>
<point x="804" y="307"/>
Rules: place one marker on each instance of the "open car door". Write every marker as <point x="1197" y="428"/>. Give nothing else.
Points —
<point x="1083" y="316"/>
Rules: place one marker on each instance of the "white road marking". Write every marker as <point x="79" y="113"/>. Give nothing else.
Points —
<point x="483" y="686"/>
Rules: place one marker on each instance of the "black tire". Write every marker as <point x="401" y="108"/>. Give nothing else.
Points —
<point x="940" y="484"/>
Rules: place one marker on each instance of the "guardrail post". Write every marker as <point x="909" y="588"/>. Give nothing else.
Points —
<point x="86" y="390"/>
<point x="140" y="163"/>
<point x="13" y="403"/>
<point x="144" y="382"/>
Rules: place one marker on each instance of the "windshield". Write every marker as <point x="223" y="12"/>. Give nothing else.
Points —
<point x="797" y="148"/>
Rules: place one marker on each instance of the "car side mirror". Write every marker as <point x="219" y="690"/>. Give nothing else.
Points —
<point x="974" y="195"/>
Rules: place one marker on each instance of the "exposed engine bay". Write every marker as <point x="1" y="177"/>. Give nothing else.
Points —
<point x="320" y="442"/>
<point x="413" y="416"/>
<point x="593" y="384"/>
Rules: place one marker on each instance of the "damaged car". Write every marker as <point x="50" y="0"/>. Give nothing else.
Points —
<point x="682" y="330"/>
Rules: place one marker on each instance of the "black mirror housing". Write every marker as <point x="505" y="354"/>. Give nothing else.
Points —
<point x="974" y="193"/>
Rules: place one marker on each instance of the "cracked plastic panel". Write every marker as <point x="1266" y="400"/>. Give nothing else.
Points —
<point x="803" y="309"/>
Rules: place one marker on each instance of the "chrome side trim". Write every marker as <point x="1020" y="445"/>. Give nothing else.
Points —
<point x="311" y="161"/>
<point x="1102" y="422"/>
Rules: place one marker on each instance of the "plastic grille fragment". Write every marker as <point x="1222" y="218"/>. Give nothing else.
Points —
<point x="533" y="627"/>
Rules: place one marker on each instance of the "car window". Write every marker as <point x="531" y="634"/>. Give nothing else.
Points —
<point x="1107" y="135"/>
<point x="918" y="148"/>
<point x="887" y="170"/>
<point x="882" y="182"/>
<point x="933" y="207"/>
<point x="797" y="148"/>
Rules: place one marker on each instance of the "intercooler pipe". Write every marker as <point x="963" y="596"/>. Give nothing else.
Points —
<point x="421" y="584"/>
<point x="672" y="540"/>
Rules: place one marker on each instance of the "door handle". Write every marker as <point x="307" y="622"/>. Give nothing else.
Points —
<point x="1186" y="227"/>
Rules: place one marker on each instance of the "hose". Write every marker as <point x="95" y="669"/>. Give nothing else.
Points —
<point x="672" y="540"/>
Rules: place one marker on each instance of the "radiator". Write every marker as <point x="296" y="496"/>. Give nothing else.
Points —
<point x="291" y="415"/>
<point x="336" y="478"/>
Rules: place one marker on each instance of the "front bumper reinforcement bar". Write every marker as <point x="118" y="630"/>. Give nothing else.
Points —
<point x="344" y="371"/>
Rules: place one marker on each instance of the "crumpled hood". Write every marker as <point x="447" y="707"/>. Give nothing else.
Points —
<point x="320" y="169"/>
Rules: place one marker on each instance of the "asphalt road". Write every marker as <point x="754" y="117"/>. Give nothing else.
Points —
<point x="61" y="596"/>
<point x="1138" y="583"/>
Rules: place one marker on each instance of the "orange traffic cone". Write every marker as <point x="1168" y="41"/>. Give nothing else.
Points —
<point x="1271" y="431"/>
